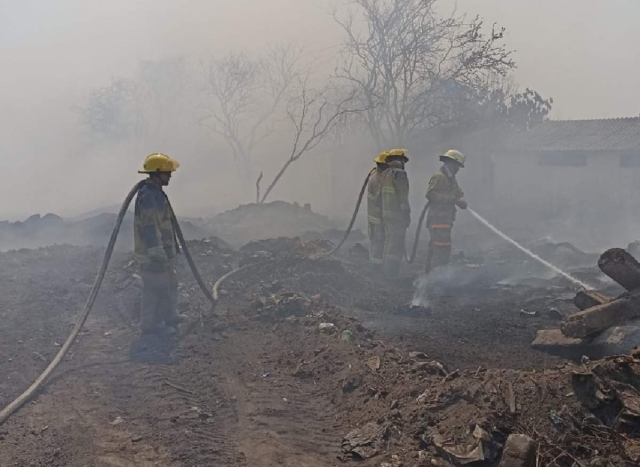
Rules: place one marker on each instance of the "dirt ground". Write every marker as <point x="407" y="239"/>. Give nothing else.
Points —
<point x="257" y="382"/>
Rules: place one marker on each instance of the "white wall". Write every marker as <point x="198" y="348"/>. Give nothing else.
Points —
<point x="594" y="205"/>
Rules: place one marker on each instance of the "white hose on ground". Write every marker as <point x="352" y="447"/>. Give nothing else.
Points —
<point x="33" y="389"/>
<point x="29" y="393"/>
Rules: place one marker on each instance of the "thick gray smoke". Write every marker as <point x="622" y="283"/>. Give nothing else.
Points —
<point x="56" y="54"/>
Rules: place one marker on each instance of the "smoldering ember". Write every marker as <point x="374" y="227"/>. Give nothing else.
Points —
<point x="387" y="233"/>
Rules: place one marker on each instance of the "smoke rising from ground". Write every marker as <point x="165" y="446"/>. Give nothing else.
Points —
<point x="55" y="54"/>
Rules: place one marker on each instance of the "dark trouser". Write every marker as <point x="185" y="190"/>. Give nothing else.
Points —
<point x="394" y="240"/>
<point x="376" y="238"/>
<point x="159" y="299"/>
<point x="439" y="252"/>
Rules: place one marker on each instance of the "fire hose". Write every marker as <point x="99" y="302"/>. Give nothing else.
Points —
<point x="353" y="217"/>
<point x="408" y="259"/>
<point x="414" y="250"/>
<point x="211" y="295"/>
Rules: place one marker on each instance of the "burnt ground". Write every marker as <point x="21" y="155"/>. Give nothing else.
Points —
<point x="256" y="383"/>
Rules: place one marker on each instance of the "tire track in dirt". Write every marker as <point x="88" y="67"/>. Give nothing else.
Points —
<point x="171" y="405"/>
<point x="283" y="421"/>
<point x="190" y="420"/>
<point x="210" y="406"/>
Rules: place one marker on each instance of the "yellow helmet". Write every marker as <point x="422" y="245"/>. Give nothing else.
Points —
<point x="455" y="156"/>
<point x="382" y="157"/>
<point x="399" y="153"/>
<point x="158" y="162"/>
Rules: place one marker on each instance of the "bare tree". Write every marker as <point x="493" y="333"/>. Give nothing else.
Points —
<point x="245" y="95"/>
<point x="313" y="115"/>
<point x="109" y="114"/>
<point x="164" y="96"/>
<point x="136" y="110"/>
<point x="405" y="61"/>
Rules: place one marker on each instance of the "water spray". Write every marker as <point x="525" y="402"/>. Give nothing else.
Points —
<point x="530" y="253"/>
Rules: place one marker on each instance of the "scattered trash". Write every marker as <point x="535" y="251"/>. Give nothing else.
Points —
<point x="528" y="313"/>
<point x="556" y="420"/>
<point x="374" y="363"/>
<point x="433" y="368"/>
<point x="418" y="356"/>
<point x="117" y="421"/>
<point x="366" y="442"/>
<point x="327" y="327"/>
<point x="266" y="375"/>
<point x="346" y="336"/>
<point x="464" y="453"/>
<point x="107" y="334"/>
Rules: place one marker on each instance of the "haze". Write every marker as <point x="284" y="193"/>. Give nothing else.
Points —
<point x="53" y="53"/>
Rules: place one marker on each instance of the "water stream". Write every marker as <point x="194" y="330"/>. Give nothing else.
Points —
<point x="530" y="253"/>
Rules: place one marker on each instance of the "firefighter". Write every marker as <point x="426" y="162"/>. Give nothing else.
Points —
<point x="156" y="248"/>
<point x="444" y="195"/>
<point x="396" y="213"/>
<point x="374" y="212"/>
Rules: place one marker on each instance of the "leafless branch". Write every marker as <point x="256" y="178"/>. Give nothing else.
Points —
<point x="406" y="62"/>
<point x="244" y="95"/>
<point x="313" y="116"/>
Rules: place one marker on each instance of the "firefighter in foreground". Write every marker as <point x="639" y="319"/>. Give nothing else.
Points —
<point x="156" y="248"/>
<point x="444" y="195"/>
<point x="396" y="213"/>
<point x="374" y="212"/>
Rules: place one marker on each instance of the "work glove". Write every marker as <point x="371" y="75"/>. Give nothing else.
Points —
<point x="462" y="203"/>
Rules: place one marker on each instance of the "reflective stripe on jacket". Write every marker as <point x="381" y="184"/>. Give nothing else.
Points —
<point x="395" y="193"/>
<point x="155" y="238"/>
<point x="443" y="193"/>
<point x="374" y="196"/>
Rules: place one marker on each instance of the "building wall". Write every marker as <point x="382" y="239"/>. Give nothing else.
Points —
<point x="593" y="203"/>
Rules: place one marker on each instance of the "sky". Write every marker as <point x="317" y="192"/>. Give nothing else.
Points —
<point x="583" y="53"/>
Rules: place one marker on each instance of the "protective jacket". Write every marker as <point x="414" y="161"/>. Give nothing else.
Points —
<point x="374" y="196"/>
<point x="395" y="195"/>
<point x="443" y="194"/>
<point x="374" y="215"/>
<point x="396" y="217"/>
<point x="155" y="238"/>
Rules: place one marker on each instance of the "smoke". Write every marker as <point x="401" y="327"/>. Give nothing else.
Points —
<point x="420" y="298"/>
<point x="54" y="54"/>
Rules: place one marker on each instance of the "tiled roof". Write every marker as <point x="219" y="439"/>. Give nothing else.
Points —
<point x="619" y="134"/>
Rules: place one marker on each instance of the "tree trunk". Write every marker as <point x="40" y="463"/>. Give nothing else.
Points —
<point x="620" y="266"/>
<point x="589" y="298"/>
<point x="277" y="179"/>
<point x="597" y="319"/>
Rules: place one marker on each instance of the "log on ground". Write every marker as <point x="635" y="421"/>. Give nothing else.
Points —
<point x="620" y="266"/>
<point x="617" y="340"/>
<point x="589" y="298"/>
<point x="594" y="320"/>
